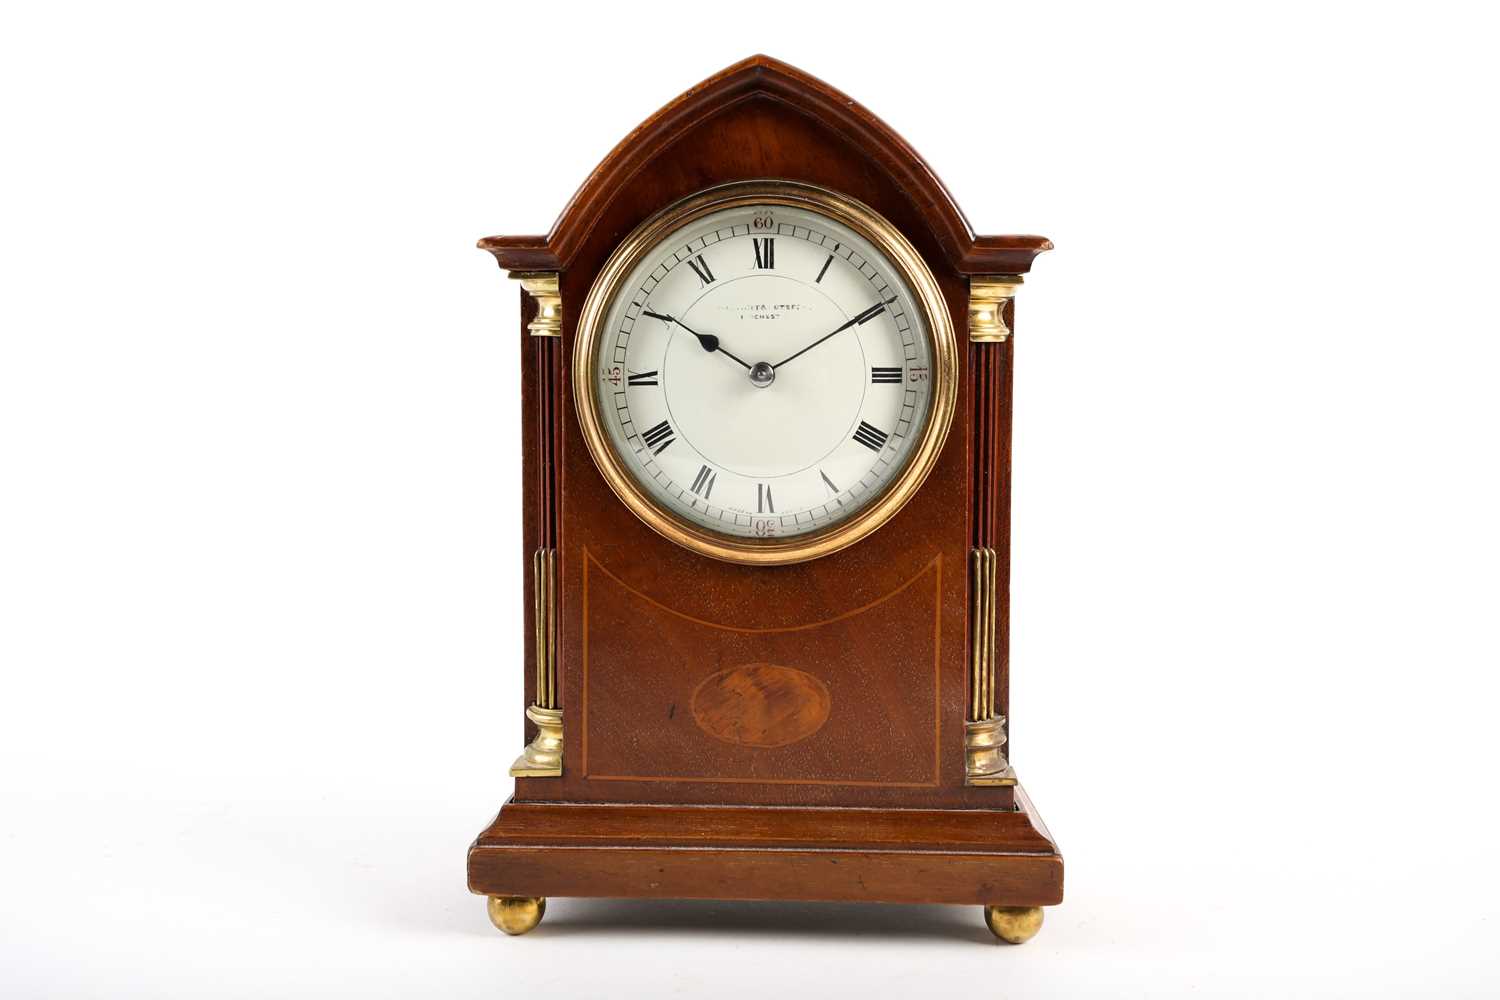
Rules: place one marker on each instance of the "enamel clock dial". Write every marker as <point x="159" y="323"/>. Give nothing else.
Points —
<point x="765" y="372"/>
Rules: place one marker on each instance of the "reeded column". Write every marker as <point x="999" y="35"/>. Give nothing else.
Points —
<point x="990" y="311"/>
<point x="543" y="756"/>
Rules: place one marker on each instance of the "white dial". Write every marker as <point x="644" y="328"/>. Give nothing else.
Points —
<point x="764" y="371"/>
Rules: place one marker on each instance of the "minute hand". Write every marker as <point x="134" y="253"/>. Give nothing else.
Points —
<point x="868" y="314"/>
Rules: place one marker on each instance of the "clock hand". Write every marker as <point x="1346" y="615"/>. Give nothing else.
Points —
<point x="863" y="317"/>
<point x="709" y="341"/>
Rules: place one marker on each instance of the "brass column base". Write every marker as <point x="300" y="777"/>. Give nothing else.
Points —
<point x="1013" y="924"/>
<point x="517" y="914"/>
<point x="542" y="757"/>
<point x="984" y="753"/>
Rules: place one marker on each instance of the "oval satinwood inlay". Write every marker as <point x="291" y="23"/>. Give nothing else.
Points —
<point x="761" y="705"/>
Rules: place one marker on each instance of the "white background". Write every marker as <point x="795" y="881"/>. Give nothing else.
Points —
<point x="259" y="615"/>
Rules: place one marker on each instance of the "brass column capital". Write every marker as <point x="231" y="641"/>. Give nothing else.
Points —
<point x="542" y="286"/>
<point x="987" y="298"/>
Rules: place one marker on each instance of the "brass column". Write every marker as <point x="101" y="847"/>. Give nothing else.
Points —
<point x="543" y="756"/>
<point x="984" y="732"/>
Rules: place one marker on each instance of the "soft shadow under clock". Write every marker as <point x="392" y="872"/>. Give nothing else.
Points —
<point x="841" y="920"/>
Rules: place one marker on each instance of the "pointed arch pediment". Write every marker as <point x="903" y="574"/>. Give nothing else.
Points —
<point x="776" y="121"/>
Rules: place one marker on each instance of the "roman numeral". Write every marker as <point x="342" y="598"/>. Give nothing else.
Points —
<point x="765" y="251"/>
<point x="700" y="268"/>
<point x="872" y="438"/>
<point x="643" y="378"/>
<point x="824" y="269"/>
<point x="763" y="504"/>
<point x="660" y="434"/>
<point x="828" y="481"/>
<point x="704" y="484"/>
<point x="877" y="375"/>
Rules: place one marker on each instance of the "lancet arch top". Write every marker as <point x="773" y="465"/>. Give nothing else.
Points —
<point x="760" y="79"/>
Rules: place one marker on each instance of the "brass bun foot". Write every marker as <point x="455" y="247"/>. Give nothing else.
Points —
<point x="1014" y="924"/>
<point x="517" y="914"/>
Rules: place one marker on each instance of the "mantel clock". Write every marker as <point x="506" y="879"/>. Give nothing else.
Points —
<point x="766" y="489"/>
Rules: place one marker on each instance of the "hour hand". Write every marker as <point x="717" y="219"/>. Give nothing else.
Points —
<point x="709" y="341"/>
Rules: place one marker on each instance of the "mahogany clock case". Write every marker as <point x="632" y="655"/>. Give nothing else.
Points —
<point x="651" y="800"/>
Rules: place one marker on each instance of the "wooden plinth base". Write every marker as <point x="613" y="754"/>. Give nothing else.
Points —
<point x="538" y="849"/>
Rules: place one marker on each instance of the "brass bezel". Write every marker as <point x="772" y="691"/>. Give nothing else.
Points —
<point x="884" y="237"/>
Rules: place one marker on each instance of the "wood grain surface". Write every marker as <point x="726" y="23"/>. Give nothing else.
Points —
<point x="837" y="684"/>
<point x="697" y="852"/>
